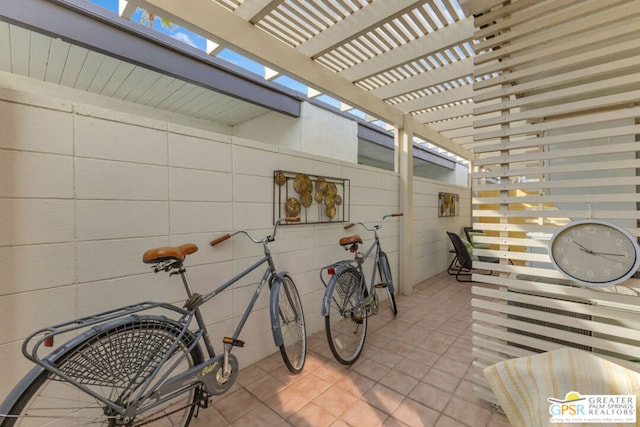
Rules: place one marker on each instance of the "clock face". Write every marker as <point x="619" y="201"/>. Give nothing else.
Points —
<point x="594" y="253"/>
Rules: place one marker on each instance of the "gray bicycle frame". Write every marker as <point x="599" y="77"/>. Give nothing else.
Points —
<point x="165" y="389"/>
<point x="340" y="266"/>
<point x="196" y="373"/>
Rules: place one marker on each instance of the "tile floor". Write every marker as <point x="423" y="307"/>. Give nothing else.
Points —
<point x="414" y="371"/>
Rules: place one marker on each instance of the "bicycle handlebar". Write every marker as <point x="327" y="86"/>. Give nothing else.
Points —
<point x="374" y="227"/>
<point x="269" y="238"/>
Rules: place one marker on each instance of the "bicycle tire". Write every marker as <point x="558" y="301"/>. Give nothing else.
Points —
<point x="385" y="275"/>
<point x="292" y="325"/>
<point x="112" y="361"/>
<point x="346" y="327"/>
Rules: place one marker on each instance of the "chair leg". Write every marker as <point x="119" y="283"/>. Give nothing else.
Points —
<point x="460" y="273"/>
<point x="450" y="269"/>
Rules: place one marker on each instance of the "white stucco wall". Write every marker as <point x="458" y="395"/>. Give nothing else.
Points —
<point x="317" y="131"/>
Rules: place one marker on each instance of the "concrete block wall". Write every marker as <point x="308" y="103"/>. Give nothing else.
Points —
<point x="430" y="242"/>
<point x="85" y="190"/>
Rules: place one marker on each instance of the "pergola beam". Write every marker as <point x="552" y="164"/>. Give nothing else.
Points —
<point x="219" y="24"/>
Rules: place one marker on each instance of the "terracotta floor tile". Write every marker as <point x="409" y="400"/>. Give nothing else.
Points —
<point x="272" y="362"/>
<point x="250" y="374"/>
<point x="310" y="386"/>
<point x="311" y="415"/>
<point x="387" y="358"/>
<point x="430" y="396"/>
<point x="260" y="416"/>
<point x="363" y="414"/>
<point x="445" y="421"/>
<point x="401" y="347"/>
<point x="434" y="346"/>
<point x="415" y="414"/>
<point x="379" y="338"/>
<point x="383" y="398"/>
<point x="452" y="367"/>
<point x="335" y="400"/>
<point x="283" y="375"/>
<point x="413" y="368"/>
<point x="331" y="371"/>
<point x="465" y="391"/>
<point x="467" y="412"/>
<point x="235" y="404"/>
<point x="371" y="369"/>
<point x="398" y="381"/>
<point x="394" y="422"/>
<point x="265" y="387"/>
<point x="286" y="402"/>
<point x="442" y="380"/>
<point x="423" y="355"/>
<point x="355" y="383"/>
<point x="443" y="337"/>
<point x="210" y="417"/>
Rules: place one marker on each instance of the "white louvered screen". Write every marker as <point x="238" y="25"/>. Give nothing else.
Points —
<point x="557" y="138"/>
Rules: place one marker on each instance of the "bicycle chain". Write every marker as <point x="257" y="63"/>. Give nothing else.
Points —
<point x="204" y="399"/>
<point x="165" y="415"/>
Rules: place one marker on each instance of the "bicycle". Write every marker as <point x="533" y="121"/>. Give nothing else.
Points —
<point x="347" y="301"/>
<point x="136" y="365"/>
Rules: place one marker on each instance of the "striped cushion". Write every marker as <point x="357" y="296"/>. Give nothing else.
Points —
<point x="523" y="385"/>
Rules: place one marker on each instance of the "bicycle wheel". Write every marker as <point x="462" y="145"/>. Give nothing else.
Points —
<point x="294" y="337"/>
<point x="346" y="322"/>
<point x="385" y="275"/>
<point x="113" y="362"/>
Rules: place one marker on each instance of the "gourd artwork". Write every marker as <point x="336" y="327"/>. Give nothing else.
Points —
<point x="314" y="199"/>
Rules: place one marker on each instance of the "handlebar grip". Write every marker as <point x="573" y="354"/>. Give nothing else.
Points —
<point x="220" y="239"/>
<point x="348" y="226"/>
<point x="292" y="219"/>
<point x="397" y="214"/>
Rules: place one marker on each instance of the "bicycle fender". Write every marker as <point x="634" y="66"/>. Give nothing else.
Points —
<point x="17" y="391"/>
<point x="326" y="299"/>
<point x="385" y="260"/>
<point x="273" y="308"/>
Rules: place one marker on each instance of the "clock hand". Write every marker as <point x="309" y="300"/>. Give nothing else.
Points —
<point x="605" y="253"/>
<point x="583" y="248"/>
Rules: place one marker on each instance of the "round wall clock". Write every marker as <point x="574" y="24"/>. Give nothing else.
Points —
<point x="594" y="253"/>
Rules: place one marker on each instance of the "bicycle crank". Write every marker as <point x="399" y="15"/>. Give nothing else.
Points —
<point x="370" y="305"/>
<point x="214" y="380"/>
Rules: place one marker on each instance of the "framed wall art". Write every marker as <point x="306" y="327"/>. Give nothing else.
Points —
<point x="448" y="204"/>
<point x="312" y="198"/>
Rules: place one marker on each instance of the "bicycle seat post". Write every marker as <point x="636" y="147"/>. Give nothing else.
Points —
<point x="182" y="271"/>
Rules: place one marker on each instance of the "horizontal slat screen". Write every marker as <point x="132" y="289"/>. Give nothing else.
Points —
<point x="556" y="138"/>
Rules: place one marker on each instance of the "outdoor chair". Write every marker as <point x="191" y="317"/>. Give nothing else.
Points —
<point x="462" y="264"/>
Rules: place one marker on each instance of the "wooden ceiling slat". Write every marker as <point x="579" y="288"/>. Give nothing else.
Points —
<point x="285" y="23"/>
<point x="73" y="65"/>
<point x="318" y="21"/>
<point x="299" y="22"/>
<point x="89" y="70"/>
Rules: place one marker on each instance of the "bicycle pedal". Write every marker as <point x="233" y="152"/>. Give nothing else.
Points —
<point x="233" y="342"/>
<point x="381" y="286"/>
